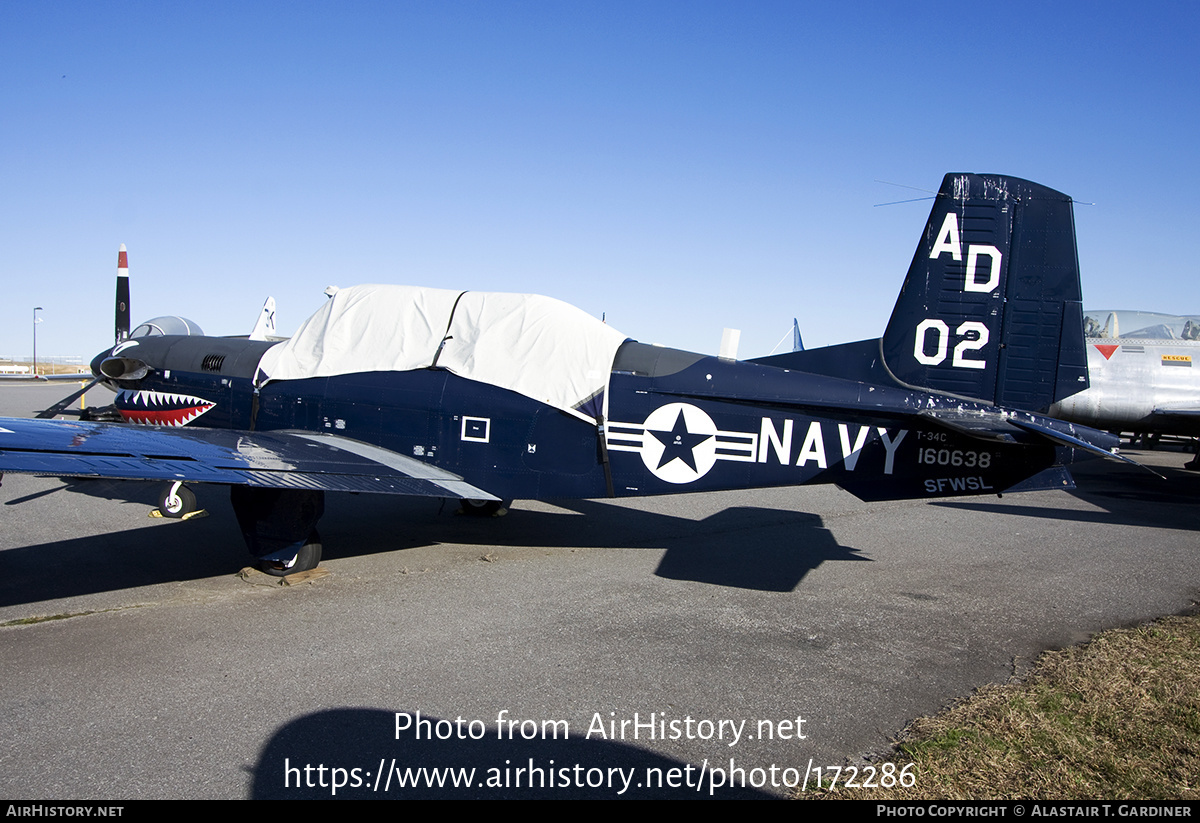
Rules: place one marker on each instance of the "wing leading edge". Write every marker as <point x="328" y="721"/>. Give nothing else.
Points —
<point x="276" y="459"/>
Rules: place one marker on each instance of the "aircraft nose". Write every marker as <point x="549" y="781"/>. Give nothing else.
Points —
<point x="107" y="367"/>
<point x="95" y="364"/>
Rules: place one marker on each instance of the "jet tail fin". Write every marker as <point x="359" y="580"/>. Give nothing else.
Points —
<point x="264" y="328"/>
<point x="991" y="309"/>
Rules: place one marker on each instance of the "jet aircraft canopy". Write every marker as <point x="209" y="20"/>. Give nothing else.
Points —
<point x="1140" y="325"/>
<point x="537" y="346"/>
<point x="168" y="324"/>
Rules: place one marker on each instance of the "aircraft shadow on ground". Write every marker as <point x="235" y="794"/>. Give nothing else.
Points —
<point x="1127" y="496"/>
<point x="741" y="547"/>
<point x="575" y="767"/>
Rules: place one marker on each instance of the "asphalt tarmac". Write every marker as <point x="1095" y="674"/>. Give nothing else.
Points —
<point x="681" y="642"/>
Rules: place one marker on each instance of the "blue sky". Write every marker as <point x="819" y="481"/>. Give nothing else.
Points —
<point x="679" y="166"/>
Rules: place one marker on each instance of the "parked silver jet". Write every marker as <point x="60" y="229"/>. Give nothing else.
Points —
<point x="1145" y="374"/>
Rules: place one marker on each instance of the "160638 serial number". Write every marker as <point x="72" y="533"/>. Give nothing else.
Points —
<point x="954" y="457"/>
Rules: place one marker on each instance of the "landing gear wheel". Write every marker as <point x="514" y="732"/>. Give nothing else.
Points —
<point x="484" y="508"/>
<point x="176" y="501"/>
<point x="308" y="558"/>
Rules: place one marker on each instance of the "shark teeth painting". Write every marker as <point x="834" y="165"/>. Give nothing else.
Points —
<point x="160" y="408"/>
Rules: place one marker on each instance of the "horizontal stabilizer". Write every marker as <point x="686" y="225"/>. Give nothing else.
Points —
<point x="1053" y="479"/>
<point x="1050" y="429"/>
<point x="982" y="425"/>
<point x="1002" y="427"/>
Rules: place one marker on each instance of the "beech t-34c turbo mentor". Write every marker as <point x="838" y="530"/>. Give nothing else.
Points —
<point x="487" y="397"/>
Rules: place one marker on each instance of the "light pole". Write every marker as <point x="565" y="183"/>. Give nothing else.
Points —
<point x="36" y="320"/>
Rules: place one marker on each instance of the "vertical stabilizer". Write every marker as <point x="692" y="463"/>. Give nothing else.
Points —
<point x="991" y="309"/>
<point x="264" y="327"/>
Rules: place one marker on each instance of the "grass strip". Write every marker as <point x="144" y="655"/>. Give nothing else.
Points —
<point x="1115" y="718"/>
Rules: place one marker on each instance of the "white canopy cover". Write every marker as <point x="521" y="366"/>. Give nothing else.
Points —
<point x="537" y="346"/>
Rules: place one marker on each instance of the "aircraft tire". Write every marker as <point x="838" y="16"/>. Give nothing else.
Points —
<point x="309" y="557"/>
<point x="484" y="508"/>
<point x="176" y="501"/>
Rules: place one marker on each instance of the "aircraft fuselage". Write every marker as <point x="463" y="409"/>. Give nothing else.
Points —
<point x="676" y="422"/>
<point x="1136" y="384"/>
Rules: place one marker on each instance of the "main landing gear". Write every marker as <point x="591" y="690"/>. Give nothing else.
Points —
<point x="483" y="508"/>
<point x="307" y="557"/>
<point x="280" y="527"/>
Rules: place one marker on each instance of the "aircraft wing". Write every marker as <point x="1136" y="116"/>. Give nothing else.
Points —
<point x="276" y="459"/>
<point x="81" y="377"/>
<point x="1177" y="420"/>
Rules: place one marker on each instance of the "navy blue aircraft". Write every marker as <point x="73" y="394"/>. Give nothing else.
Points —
<point x="486" y="397"/>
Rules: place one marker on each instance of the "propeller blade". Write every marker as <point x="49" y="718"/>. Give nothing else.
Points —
<point x="58" y="407"/>
<point x="122" y="318"/>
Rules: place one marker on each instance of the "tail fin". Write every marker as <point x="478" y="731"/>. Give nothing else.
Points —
<point x="991" y="309"/>
<point x="264" y="327"/>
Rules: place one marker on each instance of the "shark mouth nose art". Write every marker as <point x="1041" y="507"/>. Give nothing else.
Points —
<point x="160" y="408"/>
